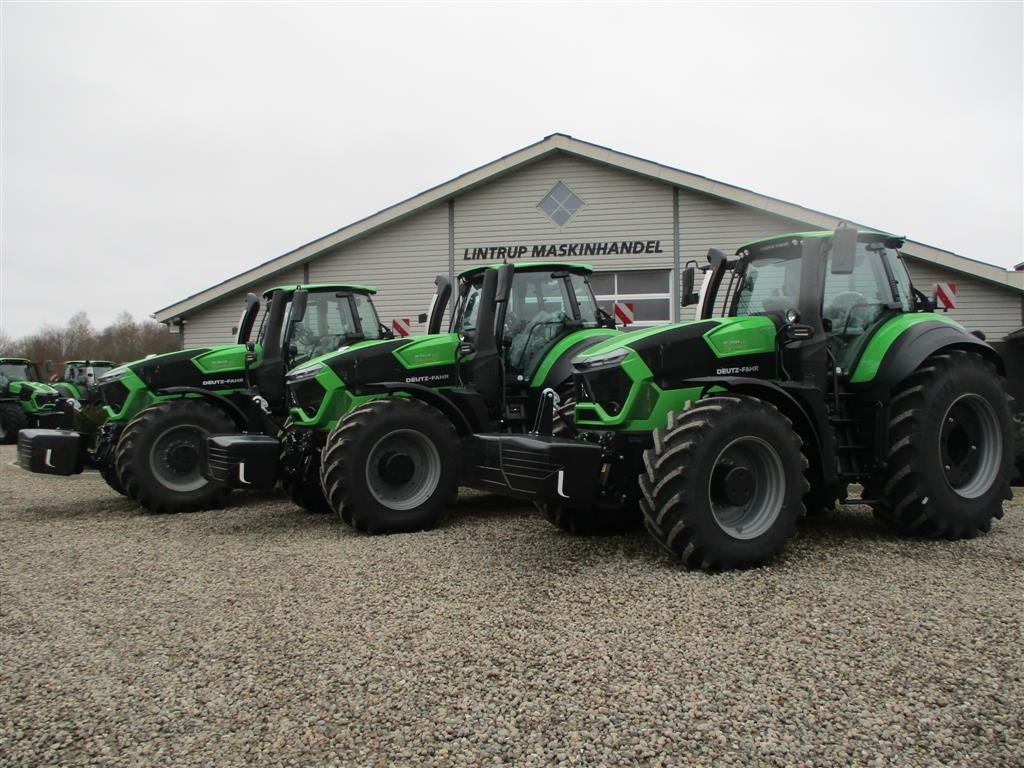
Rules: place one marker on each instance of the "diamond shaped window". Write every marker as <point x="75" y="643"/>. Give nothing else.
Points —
<point x="560" y="204"/>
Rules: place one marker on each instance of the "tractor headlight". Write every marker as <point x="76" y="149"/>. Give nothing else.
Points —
<point x="607" y="360"/>
<point x="302" y="374"/>
<point x="304" y="391"/>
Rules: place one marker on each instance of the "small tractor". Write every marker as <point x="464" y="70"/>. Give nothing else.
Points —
<point x="25" y="401"/>
<point x="827" y="369"/>
<point x="378" y="426"/>
<point x="160" y="408"/>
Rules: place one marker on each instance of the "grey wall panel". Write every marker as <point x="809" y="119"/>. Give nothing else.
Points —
<point x="980" y="305"/>
<point x="401" y="260"/>
<point x="213" y="324"/>
<point x="617" y="207"/>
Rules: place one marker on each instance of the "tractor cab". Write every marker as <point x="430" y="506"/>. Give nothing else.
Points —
<point x="16" y="369"/>
<point x="302" y="322"/>
<point x="828" y="293"/>
<point x="85" y="373"/>
<point x="512" y="317"/>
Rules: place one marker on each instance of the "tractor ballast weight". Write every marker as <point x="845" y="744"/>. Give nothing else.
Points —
<point x="827" y="369"/>
<point x="159" y="408"/>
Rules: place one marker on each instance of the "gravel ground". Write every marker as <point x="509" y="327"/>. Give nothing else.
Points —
<point x="257" y="635"/>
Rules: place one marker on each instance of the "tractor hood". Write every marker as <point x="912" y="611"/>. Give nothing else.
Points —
<point x="620" y="380"/>
<point x="323" y="389"/>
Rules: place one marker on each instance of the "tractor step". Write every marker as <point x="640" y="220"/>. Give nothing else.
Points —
<point x="52" y="451"/>
<point x="240" y="461"/>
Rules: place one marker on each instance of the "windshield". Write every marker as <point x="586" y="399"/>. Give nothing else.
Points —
<point x="771" y="283"/>
<point x="15" y="372"/>
<point x="333" y="319"/>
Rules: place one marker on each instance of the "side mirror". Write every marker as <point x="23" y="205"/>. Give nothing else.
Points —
<point x="715" y="257"/>
<point x="48" y="366"/>
<point x="505" y="274"/>
<point x="299" y="301"/>
<point x="844" y="249"/>
<point x="421" y="317"/>
<point x="686" y="294"/>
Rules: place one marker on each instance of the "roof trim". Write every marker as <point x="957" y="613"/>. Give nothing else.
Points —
<point x="560" y="142"/>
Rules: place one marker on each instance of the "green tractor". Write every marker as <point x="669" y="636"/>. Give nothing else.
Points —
<point x="160" y="408"/>
<point x="25" y="401"/>
<point x="827" y="369"/>
<point x="80" y="379"/>
<point x="378" y="426"/>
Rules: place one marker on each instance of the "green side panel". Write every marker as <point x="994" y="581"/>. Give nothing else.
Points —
<point x="424" y="351"/>
<point x="558" y="351"/>
<point x="742" y="336"/>
<point x="867" y="366"/>
<point x="227" y="358"/>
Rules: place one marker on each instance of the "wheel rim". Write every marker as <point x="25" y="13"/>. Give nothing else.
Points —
<point x="174" y="459"/>
<point x="403" y="469"/>
<point x="970" y="446"/>
<point x="747" y="488"/>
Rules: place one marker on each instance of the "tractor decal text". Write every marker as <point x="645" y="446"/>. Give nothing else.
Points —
<point x="561" y="250"/>
<point x="228" y="382"/>
<point x="738" y="369"/>
<point x="430" y="379"/>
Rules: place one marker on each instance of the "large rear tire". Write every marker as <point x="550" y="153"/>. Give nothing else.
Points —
<point x="950" y="455"/>
<point x="12" y="419"/>
<point x="724" y="483"/>
<point x="391" y="466"/>
<point x="157" y="456"/>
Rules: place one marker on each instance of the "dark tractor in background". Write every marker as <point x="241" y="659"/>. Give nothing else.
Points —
<point x="161" y="407"/>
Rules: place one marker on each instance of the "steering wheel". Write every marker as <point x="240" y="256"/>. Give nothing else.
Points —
<point x="843" y="310"/>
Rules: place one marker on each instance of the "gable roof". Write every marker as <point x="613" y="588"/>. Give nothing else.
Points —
<point x="560" y="142"/>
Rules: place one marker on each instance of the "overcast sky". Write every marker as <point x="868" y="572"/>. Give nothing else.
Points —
<point x="150" y="151"/>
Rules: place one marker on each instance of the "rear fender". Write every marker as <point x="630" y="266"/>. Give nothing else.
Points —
<point x="911" y="348"/>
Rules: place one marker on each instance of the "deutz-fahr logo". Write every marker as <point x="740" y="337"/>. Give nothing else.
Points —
<point x="738" y="369"/>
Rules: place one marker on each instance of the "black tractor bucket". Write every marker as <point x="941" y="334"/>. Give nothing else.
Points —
<point x="240" y="461"/>
<point x="51" y="451"/>
<point x="534" y="467"/>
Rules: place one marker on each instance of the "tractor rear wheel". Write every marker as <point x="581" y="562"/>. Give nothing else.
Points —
<point x="950" y="453"/>
<point x="724" y="483"/>
<point x="12" y="419"/>
<point x="391" y="466"/>
<point x="157" y="456"/>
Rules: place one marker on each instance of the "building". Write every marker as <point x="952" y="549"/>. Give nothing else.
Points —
<point x="636" y="221"/>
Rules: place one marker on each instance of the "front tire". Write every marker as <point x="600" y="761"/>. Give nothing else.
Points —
<point x="950" y="453"/>
<point x="724" y="483"/>
<point x="157" y="456"/>
<point x="12" y="420"/>
<point x="391" y="466"/>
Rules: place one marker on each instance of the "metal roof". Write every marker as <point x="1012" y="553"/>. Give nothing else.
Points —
<point x="555" y="143"/>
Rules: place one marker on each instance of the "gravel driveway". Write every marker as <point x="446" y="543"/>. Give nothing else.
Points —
<point x="258" y="635"/>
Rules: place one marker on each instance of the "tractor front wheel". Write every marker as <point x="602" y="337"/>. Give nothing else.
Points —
<point x="950" y="456"/>
<point x="157" y="456"/>
<point x="307" y="494"/>
<point x="724" y="483"/>
<point x="12" y="419"/>
<point x="391" y="466"/>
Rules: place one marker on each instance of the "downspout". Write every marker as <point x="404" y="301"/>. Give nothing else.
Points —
<point x="676" y="257"/>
